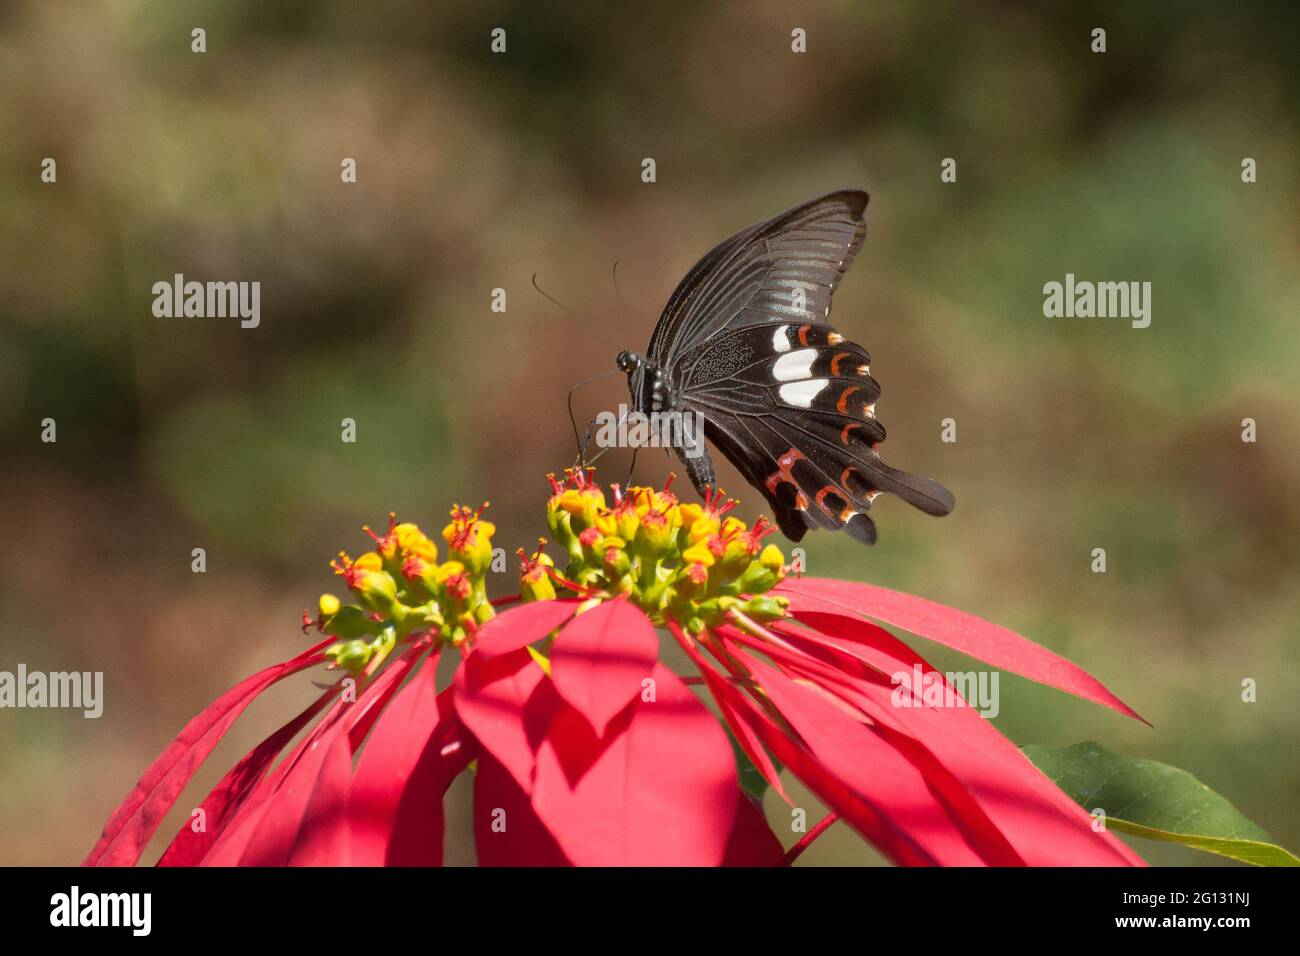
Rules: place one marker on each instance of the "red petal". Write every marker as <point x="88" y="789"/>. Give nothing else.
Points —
<point x="872" y="766"/>
<point x="873" y="812"/>
<point x="221" y="805"/>
<point x="600" y="659"/>
<point x="510" y="630"/>
<point x="745" y="735"/>
<point x="752" y="841"/>
<point x="322" y="837"/>
<point x="506" y="829"/>
<point x="855" y="808"/>
<point x="297" y="814"/>
<point x="659" y="789"/>
<point x="1044" y="825"/>
<point x="506" y="703"/>
<point x="395" y="811"/>
<point x="964" y="632"/>
<point x="133" y="823"/>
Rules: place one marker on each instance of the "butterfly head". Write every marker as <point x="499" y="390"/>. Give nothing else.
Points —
<point x="644" y="381"/>
<point x="629" y="361"/>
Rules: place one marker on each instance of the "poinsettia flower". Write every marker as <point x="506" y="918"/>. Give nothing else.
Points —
<point x="586" y="749"/>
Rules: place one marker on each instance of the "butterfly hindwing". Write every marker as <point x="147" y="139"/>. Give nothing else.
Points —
<point x="798" y="484"/>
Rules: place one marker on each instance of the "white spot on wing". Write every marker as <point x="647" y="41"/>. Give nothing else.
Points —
<point x="780" y="340"/>
<point x="794" y="365"/>
<point x="801" y="394"/>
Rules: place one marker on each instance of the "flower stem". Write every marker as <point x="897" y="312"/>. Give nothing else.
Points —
<point x="797" y="850"/>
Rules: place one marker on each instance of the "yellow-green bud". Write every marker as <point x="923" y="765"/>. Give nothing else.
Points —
<point x="353" y="656"/>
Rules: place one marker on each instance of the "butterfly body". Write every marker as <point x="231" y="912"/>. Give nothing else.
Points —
<point x="745" y="343"/>
<point x="653" y="393"/>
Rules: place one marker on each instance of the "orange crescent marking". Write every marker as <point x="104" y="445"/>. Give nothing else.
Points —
<point x="835" y="362"/>
<point x="844" y="432"/>
<point x="803" y="334"/>
<point x="844" y="397"/>
<point x="821" y="498"/>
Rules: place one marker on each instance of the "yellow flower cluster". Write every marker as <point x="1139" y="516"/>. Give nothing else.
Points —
<point x="689" y="562"/>
<point x="401" y="590"/>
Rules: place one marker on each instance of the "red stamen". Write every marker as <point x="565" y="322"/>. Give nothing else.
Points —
<point x="388" y="541"/>
<point x="347" y="570"/>
<point x="762" y="528"/>
<point x="714" y="503"/>
<point x="458" y="586"/>
<point x="412" y="567"/>
<point x="531" y="567"/>
<point x="464" y="525"/>
<point x="580" y="589"/>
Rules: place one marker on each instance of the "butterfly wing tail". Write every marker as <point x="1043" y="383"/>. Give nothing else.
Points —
<point x="920" y="491"/>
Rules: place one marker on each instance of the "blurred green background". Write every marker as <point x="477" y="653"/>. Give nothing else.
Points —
<point x="476" y="171"/>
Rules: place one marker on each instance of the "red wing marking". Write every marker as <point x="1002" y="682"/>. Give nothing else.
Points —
<point x="844" y="397"/>
<point x="803" y="334"/>
<point x="835" y="362"/>
<point x="784" y="473"/>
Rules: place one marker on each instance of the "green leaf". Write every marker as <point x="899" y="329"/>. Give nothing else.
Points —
<point x="752" y="780"/>
<point x="1156" y="801"/>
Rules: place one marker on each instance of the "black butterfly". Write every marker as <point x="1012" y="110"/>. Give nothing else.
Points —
<point x="786" y="398"/>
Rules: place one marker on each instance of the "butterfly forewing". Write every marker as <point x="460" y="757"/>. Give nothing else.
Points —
<point x="752" y="276"/>
<point x="744" y="341"/>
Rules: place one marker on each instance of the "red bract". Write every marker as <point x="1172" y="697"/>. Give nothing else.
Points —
<point x="588" y="750"/>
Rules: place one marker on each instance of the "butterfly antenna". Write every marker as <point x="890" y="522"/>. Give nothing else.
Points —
<point x="586" y="441"/>
<point x="622" y="307"/>
<point x="582" y="446"/>
<point x="551" y="298"/>
<point x="630" y="469"/>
